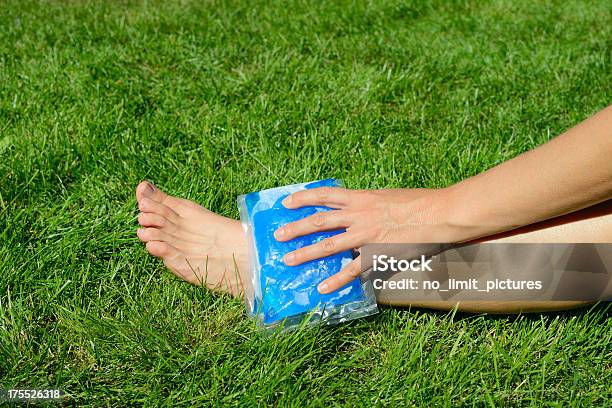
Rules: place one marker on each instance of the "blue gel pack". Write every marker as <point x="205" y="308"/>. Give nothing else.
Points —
<point x="276" y="293"/>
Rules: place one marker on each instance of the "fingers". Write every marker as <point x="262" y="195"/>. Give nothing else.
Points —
<point x="334" y="197"/>
<point x="348" y="274"/>
<point x="321" y="221"/>
<point x="321" y="249"/>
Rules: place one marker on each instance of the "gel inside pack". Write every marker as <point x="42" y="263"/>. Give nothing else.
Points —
<point x="281" y="293"/>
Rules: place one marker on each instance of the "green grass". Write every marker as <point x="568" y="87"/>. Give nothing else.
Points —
<point x="214" y="99"/>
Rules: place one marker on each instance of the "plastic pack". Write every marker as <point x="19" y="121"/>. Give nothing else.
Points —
<point x="277" y="294"/>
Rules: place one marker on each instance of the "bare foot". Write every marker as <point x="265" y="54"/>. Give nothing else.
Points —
<point x="196" y="244"/>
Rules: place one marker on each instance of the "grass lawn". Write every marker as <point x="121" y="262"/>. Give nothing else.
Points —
<point x="213" y="99"/>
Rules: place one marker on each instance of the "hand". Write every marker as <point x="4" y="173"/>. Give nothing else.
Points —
<point x="369" y="216"/>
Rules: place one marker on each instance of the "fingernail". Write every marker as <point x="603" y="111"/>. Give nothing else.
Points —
<point x="322" y="288"/>
<point x="289" y="258"/>
<point x="287" y="200"/>
<point x="279" y="233"/>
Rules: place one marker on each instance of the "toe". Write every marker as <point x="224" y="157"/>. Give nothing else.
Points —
<point x="153" y="220"/>
<point x="144" y="189"/>
<point x="161" y="249"/>
<point x="147" y="205"/>
<point x="152" y="234"/>
<point x="148" y="190"/>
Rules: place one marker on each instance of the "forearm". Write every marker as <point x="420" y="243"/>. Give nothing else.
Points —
<point x="571" y="172"/>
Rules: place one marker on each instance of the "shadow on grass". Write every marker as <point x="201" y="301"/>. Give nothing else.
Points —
<point x="601" y="309"/>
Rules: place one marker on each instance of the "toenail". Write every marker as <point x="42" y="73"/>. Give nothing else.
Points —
<point x="287" y="200"/>
<point x="140" y="231"/>
<point x="150" y="187"/>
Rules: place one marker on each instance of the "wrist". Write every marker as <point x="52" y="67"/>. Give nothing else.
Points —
<point x="462" y="218"/>
<point x="431" y="216"/>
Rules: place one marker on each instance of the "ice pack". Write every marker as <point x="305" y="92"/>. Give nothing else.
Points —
<point x="279" y="294"/>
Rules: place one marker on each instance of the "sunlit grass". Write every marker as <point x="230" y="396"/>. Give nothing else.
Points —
<point x="214" y="99"/>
